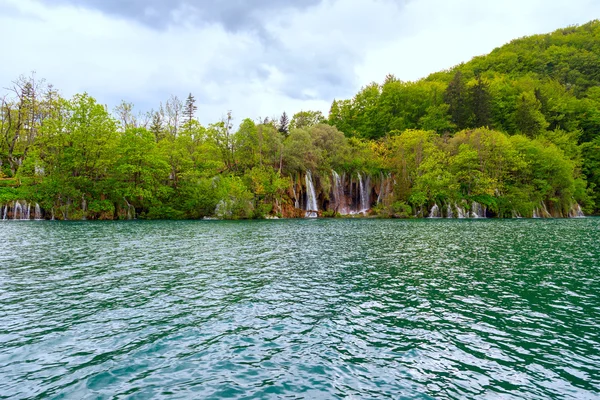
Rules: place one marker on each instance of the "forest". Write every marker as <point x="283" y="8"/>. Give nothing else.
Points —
<point x="515" y="133"/>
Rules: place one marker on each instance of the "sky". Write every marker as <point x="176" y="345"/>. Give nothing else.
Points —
<point x="256" y="58"/>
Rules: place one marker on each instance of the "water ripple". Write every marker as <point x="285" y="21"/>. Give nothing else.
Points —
<point x="300" y="309"/>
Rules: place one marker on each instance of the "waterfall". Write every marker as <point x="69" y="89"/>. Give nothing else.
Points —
<point x="364" y="186"/>
<point x="449" y="213"/>
<point x="435" y="212"/>
<point x="17" y="208"/>
<point x="389" y="188"/>
<point x="83" y="207"/>
<point x="477" y="211"/>
<point x="5" y="213"/>
<point x="385" y="188"/>
<point x="460" y="211"/>
<point x="296" y="202"/>
<point x="381" y="188"/>
<point x="535" y="213"/>
<point x="28" y="215"/>
<point x="311" y="201"/>
<point x="545" y="212"/>
<point x="129" y="207"/>
<point x="576" y="211"/>
<point x="516" y="214"/>
<point x="351" y="197"/>
<point x="38" y="212"/>
<point x="338" y="194"/>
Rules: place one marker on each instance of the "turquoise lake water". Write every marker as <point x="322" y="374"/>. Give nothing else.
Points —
<point x="300" y="309"/>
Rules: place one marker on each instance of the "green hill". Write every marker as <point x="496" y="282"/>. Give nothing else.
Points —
<point x="542" y="86"/>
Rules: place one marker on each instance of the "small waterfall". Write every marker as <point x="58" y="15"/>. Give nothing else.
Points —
<point x="53" y="214"/>
<point x="536" y="214"/>
<point x="435" y="212"/>
<point x="364" y="186"/>
<point x="544" y="210"/>
<point x="449" y="212"/>
<point x="311" y="201"/>
<point x="381" y="188"/>
<point x="576" y="211"/>
<point x="477" y="210"/>
<point x="5" y="213"/>
<point x="28" y="214"/>
<point x="296" y="202"/>
<point x="338" y="194"/>
<point x="460" y="211"/>
<point x="17" y="210"/>
<point x="385" y="188"/>
<point x="351" y="196"/>
<point x="130" y="215"/>
<point x="83" y="207"/>
<point x="516" y="214"/>
<point x="38" y="212"/>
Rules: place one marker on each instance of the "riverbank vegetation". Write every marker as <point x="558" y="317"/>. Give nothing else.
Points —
<point x="513" y="133"/>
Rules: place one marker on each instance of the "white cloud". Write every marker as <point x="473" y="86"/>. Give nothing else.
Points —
<point x="308" y="56"/>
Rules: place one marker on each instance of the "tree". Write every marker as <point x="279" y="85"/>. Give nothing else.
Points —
<point x="306" y="119"/>
<point x="156" y="126"/>
<point x="480" y="104"/>
<point x="21" y="116"/>
<point x="189" y="109"/>
<point x="173" y="110"/>
<point x="529" y="120"/>
<point x="125" y="113"/>
<point x="284" y="124"/>
<point x="457" y="98"/>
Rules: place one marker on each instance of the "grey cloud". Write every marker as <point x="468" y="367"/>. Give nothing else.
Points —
<point x="233" y="15"/>
<point x="9" y="10"/>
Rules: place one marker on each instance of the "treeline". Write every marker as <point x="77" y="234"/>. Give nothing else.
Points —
<point x="544" y="87"/>
<point x="516" y="131"/>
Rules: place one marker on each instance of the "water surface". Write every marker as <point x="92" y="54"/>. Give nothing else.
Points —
<point x="300" y="309"/>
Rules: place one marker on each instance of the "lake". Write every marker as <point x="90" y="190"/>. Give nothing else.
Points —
<point x="300" y="309"/>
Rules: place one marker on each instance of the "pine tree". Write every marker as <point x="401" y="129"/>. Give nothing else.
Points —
<point x="480" y="102"/>
<point x="157" y="126"/>
<point x="456" y="97"/>
<point x="284" y="124"/>
<point x="190" y="109"/>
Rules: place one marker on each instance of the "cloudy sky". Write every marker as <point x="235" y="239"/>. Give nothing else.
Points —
<point x="257" y="57"/>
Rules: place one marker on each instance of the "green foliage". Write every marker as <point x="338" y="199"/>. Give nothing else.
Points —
<point x="510" y="130"/>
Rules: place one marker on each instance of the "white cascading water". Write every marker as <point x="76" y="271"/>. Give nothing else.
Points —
<point x="28" y="214"/>
<point x="477" y="211"/>
<point x="84" y="207"/>
<point x="38" y="212"/>
<point x="351" y="197"/>
<point x="434" y="212"/>
<point x="516" y="214"/>
<point x="460" y="211"/>
<point x="381" y="189"/>
<point x="338" y="194"/>
<point x="311" y="197"/>
<point x="17" y="211"/>
<point x="296" y="202"/>
<point x="130" y="215"/>
<point x="5" y="213"/>
<point x="385" y="188"/>
<point x="576" y="211"/>
<point x="535" y="213"/>
<point x="544" y="210"/>
<point x="449" y="212"/>
<point x="364" y="186"/>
